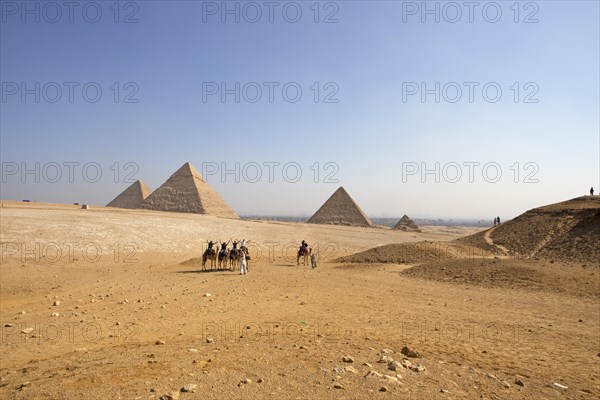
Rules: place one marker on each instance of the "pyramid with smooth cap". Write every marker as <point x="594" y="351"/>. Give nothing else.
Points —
<point x="186" y="191"/>
<point x="340" y="209"/>
<point x="132" y="197"/>
<point x="407" y="224"/>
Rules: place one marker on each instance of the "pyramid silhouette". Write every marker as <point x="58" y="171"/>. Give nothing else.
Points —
<point x="132" y="197"/>
<point x="186" y="191"/>
<point x="407" y="224"/>
<point x="340" y="209"/>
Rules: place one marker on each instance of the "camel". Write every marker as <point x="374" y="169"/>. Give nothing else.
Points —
<point x="233" y="258"/>
<point x="303" y="252"/>
<point x="222" y="260"/>
<point x="209" y="254"/>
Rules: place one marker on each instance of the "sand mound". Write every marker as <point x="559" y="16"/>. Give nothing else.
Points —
<point x="408" y="253"/>
<point x="192" y="261"/>
<point x="567" y="231"/>
<point x="478" y="240"/>
<point x="509" y="273"/>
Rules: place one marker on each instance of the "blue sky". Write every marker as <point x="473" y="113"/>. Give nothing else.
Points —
<point x="364" y="130"/>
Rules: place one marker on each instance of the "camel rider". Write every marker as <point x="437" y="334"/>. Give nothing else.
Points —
<point x="243" y="245"/>
<point x="235" y="243"/>
<point x="303" y="246"/>
<point x="224" y="247"/>
<point x="210" y="245"/>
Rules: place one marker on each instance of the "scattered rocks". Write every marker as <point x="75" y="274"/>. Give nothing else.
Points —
<point x="369" y="365"/>
<point x="189" y="388"/>
<point x="406" y="364"/>
<point x="159" y="342"/>
<point x="193" y="350"/>
<point x="505" y="384"/>
<point x="55" y="314"/>
<point x="27" y="330"/>
<point x="386" y="351"/>
<point x="408" y="352"/>
<point x="246" y="381"/>
<point x="559" y="386"/>
<point x="519" y="383"/>
<point x="23" y="385"/>
<point x="170" y="396"/>
<point x="385" y="359"/>
<point x="11" y="325"/>
<point x="210" y="340"/>
<point x="56" y="303"/>
<point x="394" y="366"/>
<point x="383" y="389"/>
<point x="417" y="368"/>
<point x="207" y="295"/>
<point x="391" y="379"/>
<point x="351" y="369"/>
<point x="373" y="374"/>
<point x="338" y="386"/>
<point x="347" y="359"/>
<point x="444" y="391"/>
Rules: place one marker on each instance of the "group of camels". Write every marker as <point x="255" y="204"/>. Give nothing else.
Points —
<point x="218" y="259"/>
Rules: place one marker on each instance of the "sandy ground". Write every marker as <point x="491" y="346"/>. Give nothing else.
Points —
<point x="101" y="303"/>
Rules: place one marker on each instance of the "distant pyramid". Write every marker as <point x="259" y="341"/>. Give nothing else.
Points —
<point x="132" y="197"/>
<point x="340" y="209"/>
<point x="407" y="224"/>
<point x="186" y="191"/>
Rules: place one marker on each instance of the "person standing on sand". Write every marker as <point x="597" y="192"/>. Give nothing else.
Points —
<point x="592" y="191"/>
<point x="498" y="219"/>
<point x="243" y="265"/>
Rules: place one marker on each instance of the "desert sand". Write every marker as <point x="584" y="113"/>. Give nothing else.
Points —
<point x="110" y="303"/>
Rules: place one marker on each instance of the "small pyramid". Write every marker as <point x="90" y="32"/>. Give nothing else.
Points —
<point x="407" y="224"/>
<point x="186" y="191"/>
<point x="132" y="197"/>
<point x="340" y="209"/>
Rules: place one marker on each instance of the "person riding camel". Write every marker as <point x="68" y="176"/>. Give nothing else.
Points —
<point x="243" y="245"/>
<point x="224" y="247"/>
<point x="235" y="243"/>
<point x="304" y="247"/>
<point x="210" y="245"/>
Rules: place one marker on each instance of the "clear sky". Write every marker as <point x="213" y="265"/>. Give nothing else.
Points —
<point x="386" y="93"/>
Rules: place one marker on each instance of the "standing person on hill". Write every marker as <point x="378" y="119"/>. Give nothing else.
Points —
<point x="498" y="218"/>
<point x="592" y="191"/>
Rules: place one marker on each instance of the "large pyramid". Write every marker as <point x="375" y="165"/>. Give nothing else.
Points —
<point x="407" y="224"/>
<point x="340" y="209"/>
<point x="186" y="191"/>
<point x="132" y="197"/>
